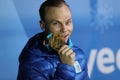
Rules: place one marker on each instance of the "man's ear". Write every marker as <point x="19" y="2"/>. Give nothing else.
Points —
<point x="42" y="25"/>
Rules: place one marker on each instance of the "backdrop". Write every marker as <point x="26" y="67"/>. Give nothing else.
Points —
<point x="96" y="31"/>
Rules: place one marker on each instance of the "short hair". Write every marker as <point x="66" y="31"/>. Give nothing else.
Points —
<point x="50" y="3"/>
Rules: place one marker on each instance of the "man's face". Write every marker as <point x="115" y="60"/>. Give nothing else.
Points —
<point x="59" y="21"/>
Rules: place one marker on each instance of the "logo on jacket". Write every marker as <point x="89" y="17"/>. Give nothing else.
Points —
<point x="77" y="67"/>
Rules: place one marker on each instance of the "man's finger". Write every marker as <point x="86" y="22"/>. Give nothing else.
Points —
<point x="62" y="48"/>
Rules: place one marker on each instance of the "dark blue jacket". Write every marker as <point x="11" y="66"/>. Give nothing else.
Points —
<point x="36" y="62"/>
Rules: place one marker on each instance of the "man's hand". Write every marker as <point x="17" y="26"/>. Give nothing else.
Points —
<point x="67" y="55"/>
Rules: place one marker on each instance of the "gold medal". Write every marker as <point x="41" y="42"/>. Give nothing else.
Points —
<point x="56" y="42"/>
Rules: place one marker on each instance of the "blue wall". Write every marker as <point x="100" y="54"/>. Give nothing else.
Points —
<point x="96" y="31"/>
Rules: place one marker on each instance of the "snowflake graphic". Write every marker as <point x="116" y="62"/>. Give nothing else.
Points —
<point x="102" y="20"/>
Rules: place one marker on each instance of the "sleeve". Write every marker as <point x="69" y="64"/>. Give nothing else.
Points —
<point x="38" y="68"/>
<point x="64" y="72"/>
<point x="81" y="68"/>
<point x="77" y="72"/>
<point x="28" y="71"/>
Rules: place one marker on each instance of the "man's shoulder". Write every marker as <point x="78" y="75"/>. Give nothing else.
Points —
<point x="79" y="52"/>
<point x="32" y="47"/>
<point x="35" y="40"/>
<point x="37" y="36"/>
<point x="77" y="49"/>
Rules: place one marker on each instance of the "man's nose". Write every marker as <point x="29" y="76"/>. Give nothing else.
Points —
<point x="63" y="28"/>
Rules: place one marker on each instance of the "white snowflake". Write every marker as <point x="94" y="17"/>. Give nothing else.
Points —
<point x="103" y="18"/>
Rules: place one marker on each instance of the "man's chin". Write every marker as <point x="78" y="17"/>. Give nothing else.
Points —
<point x="66" y="40"/>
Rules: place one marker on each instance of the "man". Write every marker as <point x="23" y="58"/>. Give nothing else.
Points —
<point x="50" y="55"/>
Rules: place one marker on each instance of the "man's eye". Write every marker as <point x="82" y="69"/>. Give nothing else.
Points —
<point x="68" y="22"/>
<point x="55" y="23"/>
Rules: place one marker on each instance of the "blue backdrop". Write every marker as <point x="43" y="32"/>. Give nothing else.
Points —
<point x="96" y="31"/>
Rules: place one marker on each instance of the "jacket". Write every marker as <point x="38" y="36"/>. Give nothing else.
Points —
<point x="36" y="62"/>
